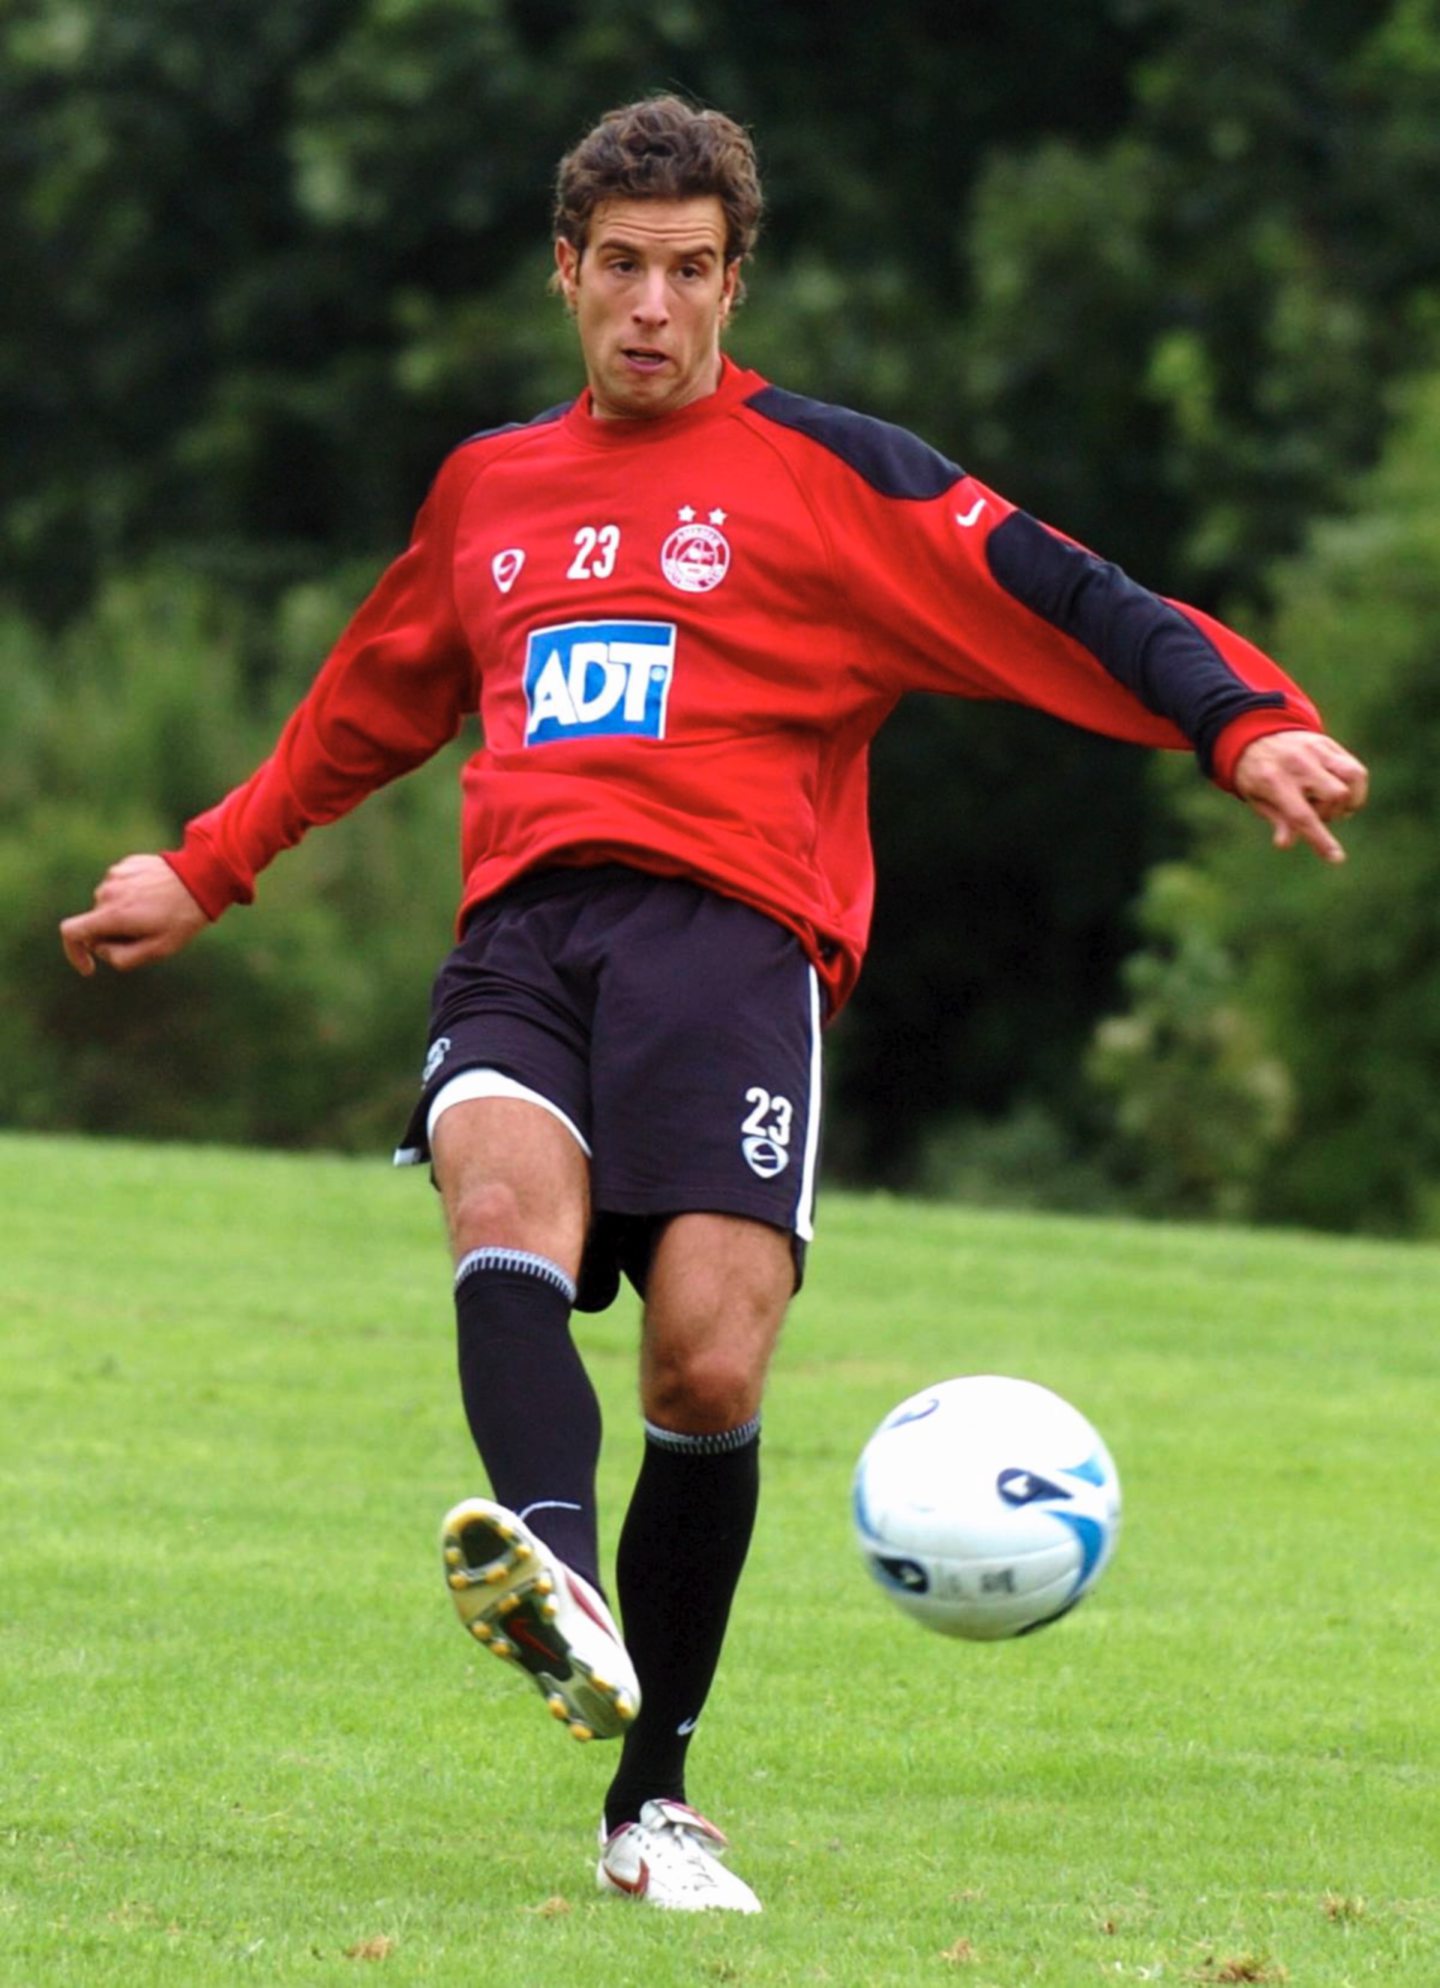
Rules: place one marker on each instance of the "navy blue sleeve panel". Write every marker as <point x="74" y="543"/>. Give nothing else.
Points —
<point x="506" y="428"/>
<point x="540" y="420"/>
<point x="892" y="461"/>
<point x="1158" y="654"/>
<point x="940" y="585"/>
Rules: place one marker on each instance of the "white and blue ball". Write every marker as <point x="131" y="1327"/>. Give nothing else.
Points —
<point x="986" y="1507"/>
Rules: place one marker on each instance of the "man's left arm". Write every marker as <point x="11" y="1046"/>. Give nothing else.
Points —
<point x="979" y="599"/>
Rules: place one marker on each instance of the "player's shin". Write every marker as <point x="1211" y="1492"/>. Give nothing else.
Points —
<point x="528" y="1399"/>
<point x="681" y="1552"/>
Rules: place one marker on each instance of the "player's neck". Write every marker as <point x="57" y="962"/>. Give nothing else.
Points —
<point x="599" y="408"/>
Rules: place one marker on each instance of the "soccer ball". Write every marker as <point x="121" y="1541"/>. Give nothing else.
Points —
<point x="986" y="1507"/>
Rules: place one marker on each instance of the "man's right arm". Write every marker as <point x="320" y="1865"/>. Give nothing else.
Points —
<point x="392" y="692"/>
<point x="142" y="912"/>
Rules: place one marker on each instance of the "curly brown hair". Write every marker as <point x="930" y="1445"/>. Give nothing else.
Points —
<point x="662" y="148"/>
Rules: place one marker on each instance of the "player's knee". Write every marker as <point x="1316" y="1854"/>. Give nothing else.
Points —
<point x="702" y="1392"/>
<point x="484" y="1214"/>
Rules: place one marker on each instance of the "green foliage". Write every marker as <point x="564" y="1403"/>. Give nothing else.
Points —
<point x="1353" y="994"/>
<point x="1027" y="1159"/>
<point x="1186" y="332"/>
<point x="301" y="1025"/>
<point x="272" y="261"/>
<point x="1199" y="1105"/>
<point x="141" y="700"/>
<point x="998" y="932"/>
<point x="1062" y="318"/>
<point x="1146" y="265"/>
<point x="1339" y="971"/>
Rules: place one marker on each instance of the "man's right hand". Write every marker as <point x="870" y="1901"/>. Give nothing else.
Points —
<point x="142" y="913"/>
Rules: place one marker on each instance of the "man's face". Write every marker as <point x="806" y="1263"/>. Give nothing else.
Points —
<point x="650" y="295"/>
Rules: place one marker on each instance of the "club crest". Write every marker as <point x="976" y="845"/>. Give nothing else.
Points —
<point x="696" y="556"/>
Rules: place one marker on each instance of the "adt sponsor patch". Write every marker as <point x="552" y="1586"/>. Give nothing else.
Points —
<point x="598" y="679"/>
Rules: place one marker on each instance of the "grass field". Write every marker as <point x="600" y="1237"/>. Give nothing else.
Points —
<point x="243" y="1739"/>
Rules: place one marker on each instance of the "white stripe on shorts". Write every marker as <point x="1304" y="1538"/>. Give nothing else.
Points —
<point x="467" y="1084"/>
<point x="805" y="1210"/>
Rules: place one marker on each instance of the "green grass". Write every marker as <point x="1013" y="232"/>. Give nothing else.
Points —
<point x="242" y="1738"/>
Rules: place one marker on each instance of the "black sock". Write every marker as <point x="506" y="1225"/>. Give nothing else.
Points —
<point x="683" y="1545"/>
<point x="528" y="1398"/>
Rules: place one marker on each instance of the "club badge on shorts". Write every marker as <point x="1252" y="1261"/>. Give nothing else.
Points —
<point x="765" y="1132"/>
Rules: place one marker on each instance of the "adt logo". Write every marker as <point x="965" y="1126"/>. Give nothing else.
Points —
<point x="598" y="679"/>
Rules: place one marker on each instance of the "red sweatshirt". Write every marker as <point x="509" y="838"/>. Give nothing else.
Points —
<point x="681" y="634"/>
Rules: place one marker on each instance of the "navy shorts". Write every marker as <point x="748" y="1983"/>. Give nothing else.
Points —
<point x="676" y="1030"/>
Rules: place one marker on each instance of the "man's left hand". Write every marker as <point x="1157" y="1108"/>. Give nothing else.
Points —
<point x="1299" y="782"/>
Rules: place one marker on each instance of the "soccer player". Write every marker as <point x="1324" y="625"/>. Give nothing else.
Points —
<point x="682" y="605"/>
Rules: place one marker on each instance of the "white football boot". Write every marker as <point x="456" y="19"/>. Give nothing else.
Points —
<point x="671" y="1858"/>
<point x="525" y="1605"/>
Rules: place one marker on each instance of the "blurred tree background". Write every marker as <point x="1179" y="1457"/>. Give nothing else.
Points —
<point x="1167" y="272"/>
